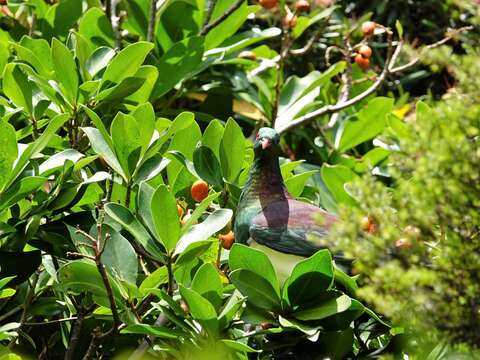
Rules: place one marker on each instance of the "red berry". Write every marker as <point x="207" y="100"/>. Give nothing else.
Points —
<point x="362" y="62"/>
<point x="368" y="27"/>
<point x="302" y="6"/>
<point x="268" y="4"/>
<point x="199" y="190"/>
<point x="365" y="51"/>
<point x="290" y="21"/>
<point x="180" y="211"/>
<point x="227" y="240"/>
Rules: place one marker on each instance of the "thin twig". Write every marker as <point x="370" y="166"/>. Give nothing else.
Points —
<point x="75" y="335"/>
<point x="152" y="20"/>
<point x="308" y="46"/>
<point x="210" y="7"/>
<point x="57" y="321"/>
<point x="221" y="18"/>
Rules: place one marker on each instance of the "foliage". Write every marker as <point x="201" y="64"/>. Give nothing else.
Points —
<point x="111" y="110"/>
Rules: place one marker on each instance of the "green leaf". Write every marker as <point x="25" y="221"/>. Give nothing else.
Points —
<point x="238" y="346"/>
<point x="96" y="27"/>
<point x="232" y="150"/>
<point x="165" y="217"/>
<point x="331" y="304"/>
<point x="296" y="183"/>
<point x="215" y="222"/>
<point x="201" y="310"/>
<point x="8" y="150"/>
<point x="258" y="290"/>
<point x="399" y="27"/>
<point x="294" y="324"/>
<point x="155" y="279"/>
<point x="207" y="166"/>
<point x="346" y="281"/>
<point x="83" y="276"/>
<point x="199" y="210"/>
<point x="335" y="178"/>
<point x="101" y="146"/>
<point x="124" y="217"/>
<point x="303" y="23"/>
<point x="65" y="70"/>
<point x="207" y="283"/>
<point x="149" y="74"/>
<point x="5" y="293"/>
<point x="19" y="190"/>
<point x="120" y="257"/>
<point x="57" y="161"/>
<point x="366" y="124"/>
<point x="157" y="331"/>
<point x="177" y="63"/>
<point x="128" y="149"/>
<point x="17" y="87"/>
<point x="230" y="25"/>
<point x="192" y="251"/>
<point x="99" y="60"/>
<point x="127" y="62"/>
<point x="34" y="148"/>
<point x="212" y="137"/>
<point x="309" y="279"/>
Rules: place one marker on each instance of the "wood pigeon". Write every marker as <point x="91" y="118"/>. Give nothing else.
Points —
<point x="270" y="219"/>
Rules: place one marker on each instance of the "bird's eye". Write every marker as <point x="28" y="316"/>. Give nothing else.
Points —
<point x="258" y="136"/>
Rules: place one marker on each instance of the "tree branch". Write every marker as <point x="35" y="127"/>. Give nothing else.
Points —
<point x="389" y="68"/>
<point x="221" y="18"/>
<point x="152" y="20"/>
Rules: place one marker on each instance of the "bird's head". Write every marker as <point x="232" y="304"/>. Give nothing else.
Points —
<point x="266" y="141"/>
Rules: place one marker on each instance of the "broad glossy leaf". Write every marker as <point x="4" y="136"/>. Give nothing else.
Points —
<point x="332" y="303"/>
<point x="65" y="70"/>
<point x="56" y="161"/>
<point x="34" y="148"/>
<point x="127" y="62"/>
<point x="309" y="279"/>
<point x="8" y="150"/>
<point x="17" y="87"/>
<point x="258" y="290"/>
<point x="335" y="177"/>
<point x="238" y="346"/>
<point x="207" y="283"/>
<point x="101" y="146"/>
<point x="199" y="210"/>
<point x="99" y="60"/>
<point x="296" y="183"/>
<point x="212" y="136"/>
<point x="124" y="217"/>
<point x="165" y="217"/>
<point x="193" y="251"/>
<point x="366" y="124"/>
<point x="155" y="279"/>
<point x="201" y="310"/>
<point x="177" y="63"/>
<point x="83" y="276"/>
<point x="215" y="222"/>
<point x="149" y="74"/>
<point x="232" y="150"/>
<point x="144" y="115"/>
<point x="95" y="26"/>
<point x="207" y="166"/>
<point x="244" y="257"/>
<point x="19" y="190"/>
<point x="120" y="258"/>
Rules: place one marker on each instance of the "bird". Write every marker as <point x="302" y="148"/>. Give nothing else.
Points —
<point x="270" y="219"/>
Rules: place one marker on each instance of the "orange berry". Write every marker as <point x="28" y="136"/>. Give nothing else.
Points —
<point x="290" y="20"/>
<point x="247" y="54"/>
<point x="266" y="326"/>
<point x="227" y="240"/>
<point x="184" y="306"/>
<point x="362" y="62"/>
<point x="302" y="6"/>
<point x="368" y="224"/>
<point x="199" y="190"/>
<point x="268" y="4"/>
<point x="368" y="27"/>
<point x="180" y="211"/>
<point x="403" y="243"/>
<point x="365" y="51"/>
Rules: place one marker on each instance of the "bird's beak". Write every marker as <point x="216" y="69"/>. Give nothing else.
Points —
<point x="266" y="143"/>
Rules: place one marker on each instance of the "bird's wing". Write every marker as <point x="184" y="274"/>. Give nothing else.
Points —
<point x="284" y="226"/>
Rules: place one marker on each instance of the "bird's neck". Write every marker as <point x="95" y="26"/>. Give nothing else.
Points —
<point x="265" y="180"/>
